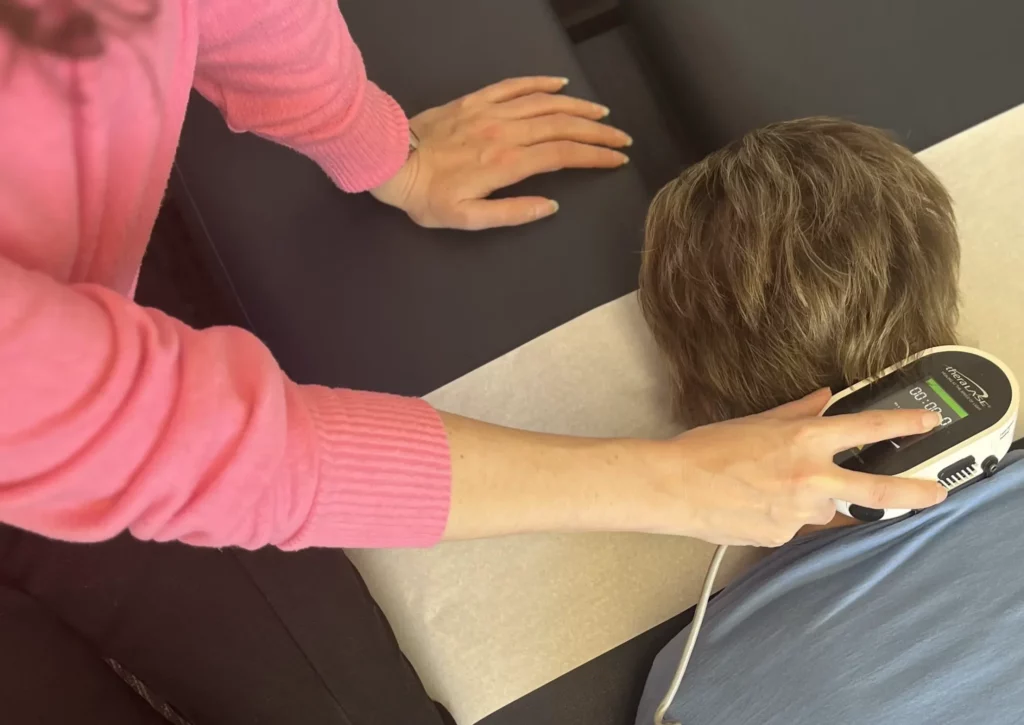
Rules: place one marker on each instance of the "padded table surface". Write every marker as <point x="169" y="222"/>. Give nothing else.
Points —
<point x="485" y="623"/>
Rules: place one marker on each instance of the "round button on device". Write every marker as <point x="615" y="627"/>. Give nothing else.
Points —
<point x="863" y="513"/>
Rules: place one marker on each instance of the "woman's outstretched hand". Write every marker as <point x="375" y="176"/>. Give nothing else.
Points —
<point x="491" y="139"/>
<point x="753" y="481"/>
<point x="762" y="478"/>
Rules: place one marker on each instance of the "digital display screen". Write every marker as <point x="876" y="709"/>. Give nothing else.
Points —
<point x="926" y="394"/>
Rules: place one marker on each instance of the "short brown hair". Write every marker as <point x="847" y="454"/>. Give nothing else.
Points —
<point x="809" y="253"/>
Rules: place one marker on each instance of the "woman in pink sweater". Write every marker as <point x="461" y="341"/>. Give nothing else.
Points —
<point x="115" y="417"/>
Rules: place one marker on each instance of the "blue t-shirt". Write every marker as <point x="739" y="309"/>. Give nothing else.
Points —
<point x="917" y="620"/>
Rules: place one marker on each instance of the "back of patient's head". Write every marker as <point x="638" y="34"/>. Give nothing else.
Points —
<point x="809" y="253"/>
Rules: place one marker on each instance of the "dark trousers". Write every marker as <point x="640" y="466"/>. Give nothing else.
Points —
<point x="218" y="636"/>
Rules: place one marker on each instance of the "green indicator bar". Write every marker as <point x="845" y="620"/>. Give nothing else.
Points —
<point x="946" y="398"/>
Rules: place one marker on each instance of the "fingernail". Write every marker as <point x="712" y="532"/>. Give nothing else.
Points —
<point x="931" y="419"/>
<point x="565" y="81"/>
<point x="625" y="159"/>
<point x="554" y="206"/>
<point x="629" y="140"/>
<point x="605" y="111"/>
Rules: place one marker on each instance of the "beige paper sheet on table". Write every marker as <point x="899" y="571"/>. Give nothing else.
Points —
<point x="487" y="622"/>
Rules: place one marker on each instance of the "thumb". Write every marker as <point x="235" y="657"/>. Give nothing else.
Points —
<point x="808" y="406"/>
<point x="474" y="214"/>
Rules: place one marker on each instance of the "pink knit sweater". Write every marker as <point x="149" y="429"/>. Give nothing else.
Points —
<point x="113" y="416"/>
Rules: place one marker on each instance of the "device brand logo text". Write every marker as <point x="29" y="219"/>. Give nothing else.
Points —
<point x="971" y="388"/>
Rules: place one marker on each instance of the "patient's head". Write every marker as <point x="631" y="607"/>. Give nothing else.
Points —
<point x="809" y="253"/>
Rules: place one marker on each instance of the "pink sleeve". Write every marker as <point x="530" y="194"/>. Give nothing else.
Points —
<point x="115" y="416"/>
<point x="289" y="71"/>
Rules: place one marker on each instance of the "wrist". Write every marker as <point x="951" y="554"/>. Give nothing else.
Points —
<point x="370" y="149"/>
<point x="644" y="488"/>
<point x="397" y="190"/>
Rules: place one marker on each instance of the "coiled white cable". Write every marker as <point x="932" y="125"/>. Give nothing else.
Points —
<point x="691" y="640"/>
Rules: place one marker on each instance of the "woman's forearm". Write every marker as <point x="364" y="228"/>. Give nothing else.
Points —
<point x="507" y="481"/>
<point x="754" y="480"/>
<point x="288" y="70"/>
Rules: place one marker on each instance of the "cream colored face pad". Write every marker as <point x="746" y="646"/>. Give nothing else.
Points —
<point x="486" y="622"/>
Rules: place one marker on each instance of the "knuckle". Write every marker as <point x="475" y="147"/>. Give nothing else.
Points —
<point x="501" y="156"/>
<point x="878" y="494"/>
<point x="562" y="154"/>
<point x="459" y="218"/>
<point x="463" y="107"/>
<point x="802" y="480"/>
<point x="806" y="437"/>
<point x="534" y="212"/>
<point x="488" y="129"/>
<point x="874" y="422"/>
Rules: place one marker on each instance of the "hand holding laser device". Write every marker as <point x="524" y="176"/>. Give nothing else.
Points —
<point x="977" y="397"/>
<point x="975" y="394"/>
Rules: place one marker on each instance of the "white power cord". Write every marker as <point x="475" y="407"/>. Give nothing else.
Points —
<point x="691" y="640"/>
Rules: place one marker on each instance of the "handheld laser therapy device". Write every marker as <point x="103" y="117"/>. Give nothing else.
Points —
<point x="976" y="396"/>
<point x="974" y="393"/>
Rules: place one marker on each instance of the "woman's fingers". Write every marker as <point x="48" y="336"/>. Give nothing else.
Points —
<point x="546" y="157"/>
<point x="493" y="138"/>
<point x="805" y="407"/>
<point x="511" y="88"/>
<point x="883" y="492"/>
<point x="545" y="104"/>
<point x="563" y="127"/>
<point x="476" y="214"/>
<point x="849" y="431"/>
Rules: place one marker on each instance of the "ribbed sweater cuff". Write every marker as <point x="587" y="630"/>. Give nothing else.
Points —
<point x="372" y="147"/>
<point x="384" y="472"/>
